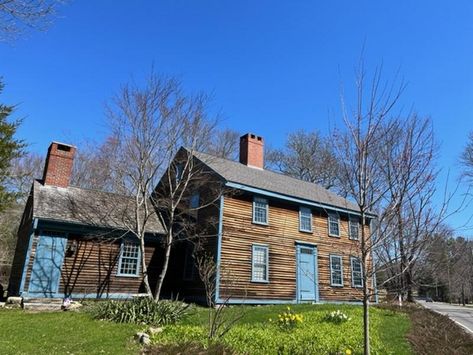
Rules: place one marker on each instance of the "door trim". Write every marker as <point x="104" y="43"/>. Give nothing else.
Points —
<point x="316" y="270"/>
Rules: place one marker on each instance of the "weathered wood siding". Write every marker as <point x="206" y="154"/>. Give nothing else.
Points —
<point x="92" y="269"/>
<point x="281" y="234"/>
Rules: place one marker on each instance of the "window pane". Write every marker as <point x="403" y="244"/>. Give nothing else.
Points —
<point x="129" y="259"/>
<point x="354" y="229"/>
<point x="357" y="274"/>
<point x="260" y="210"/>
<point x="260" y="263"/>
<point x="336" y="270"/>
<point x="333" y="225"/>
<point x="305" y="219"/>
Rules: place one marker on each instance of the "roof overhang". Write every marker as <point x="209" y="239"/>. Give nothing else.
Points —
<point x="296" y="200"/>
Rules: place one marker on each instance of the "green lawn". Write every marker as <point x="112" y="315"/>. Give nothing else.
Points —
<point x="63" y="333"/>
<point x="77" y="333"/>
<point x="254" y="334"/>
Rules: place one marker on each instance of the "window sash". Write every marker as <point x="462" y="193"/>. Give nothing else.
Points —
<point x="336" y="270"/>
<point x="129" y="261"/>
<point x="333" y="225"/>
<point x="356" y="273"/>
<point x="305" y="219"/>
<point x="260" y="263"/>
<point x="354" y="229"/>
<point x="260" y="210"/>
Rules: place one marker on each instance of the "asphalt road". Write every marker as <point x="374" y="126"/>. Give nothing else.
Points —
<point x="462" y="315"/>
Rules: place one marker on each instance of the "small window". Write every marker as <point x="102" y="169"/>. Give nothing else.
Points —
<point x="260" y="210"/>
<point x="179" y="172"/>
<point x="260" y="263"/>
<point x="129" y="262"/>
<point x="333" y="225"/>
<point x="356" y="273"/>
<point x="354" y="228"/>
<point x="336" y="270"/>
<point x="194" y="201"/>
<point x="305" y="219"/>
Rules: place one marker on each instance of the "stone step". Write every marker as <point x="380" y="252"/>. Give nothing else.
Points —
<point x="43" y="300"/>
<point x="37" y="306"/>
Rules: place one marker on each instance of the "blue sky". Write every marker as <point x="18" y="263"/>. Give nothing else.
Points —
<point x="272" y="66"/>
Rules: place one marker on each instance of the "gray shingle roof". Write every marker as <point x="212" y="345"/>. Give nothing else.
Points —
<point x="86" y="207"/>
<point x="267" y="180"/>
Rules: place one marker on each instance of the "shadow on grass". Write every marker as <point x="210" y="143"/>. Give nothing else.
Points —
<point x="433" y="333"/>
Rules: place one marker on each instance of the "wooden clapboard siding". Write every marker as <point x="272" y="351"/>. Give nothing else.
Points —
<point x="281" y="234"/>
<point x="92" y="269"/>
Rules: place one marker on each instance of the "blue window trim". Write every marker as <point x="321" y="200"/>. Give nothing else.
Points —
<point x="338" y="221"/>
<point x="138" y="267"/>
<point x="261" y="200"/>
<point x="253" y="247"/>
<point x="352" y="220"/>
<point x="341" y="270"/>
<point x="219" y="248"/>
<point x="352" y="259"/>
<point x="301" y="211"/>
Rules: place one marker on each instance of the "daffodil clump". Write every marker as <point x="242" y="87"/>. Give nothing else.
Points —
<point x="337" y="317"/>
<point x="289" y="319"/>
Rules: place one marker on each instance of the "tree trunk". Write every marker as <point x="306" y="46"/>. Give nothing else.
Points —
<point x="162" y="275"/>
<point x="144" y="268"/>
<point x="366" y="300"/>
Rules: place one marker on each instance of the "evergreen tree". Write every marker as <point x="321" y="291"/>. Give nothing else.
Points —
<point x="10" y="148"/>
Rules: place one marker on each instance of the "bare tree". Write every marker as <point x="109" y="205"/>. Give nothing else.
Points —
<point x="467" y="158"/>
<point x="151" y="124"/>
<point x="307" y="156"/>
<point x="225" y="144"/>
<point x="358" y="152"/>
<point x="408" y="152"/>
<point x="17" y="16"/>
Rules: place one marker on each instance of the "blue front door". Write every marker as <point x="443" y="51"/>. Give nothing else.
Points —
<point x="46" y="272"/>
<point x="307" y="289"/>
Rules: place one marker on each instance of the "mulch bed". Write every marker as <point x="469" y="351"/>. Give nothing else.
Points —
<point x="433" y="333"/>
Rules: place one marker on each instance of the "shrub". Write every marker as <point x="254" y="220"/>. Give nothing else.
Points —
<point x="140" y="311"/>
<point x="288" y="320"/>
<point x="336" y="317"/>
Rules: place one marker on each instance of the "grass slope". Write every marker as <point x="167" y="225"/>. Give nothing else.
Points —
<point x="254" y="334"/>
<point x="63" y="333"/>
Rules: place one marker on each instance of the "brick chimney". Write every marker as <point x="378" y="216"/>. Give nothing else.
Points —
<point x="58" y="167"/>
<point x="252" y="150"/>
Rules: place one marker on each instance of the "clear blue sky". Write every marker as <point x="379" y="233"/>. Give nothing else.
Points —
<point x="272" y="66"/>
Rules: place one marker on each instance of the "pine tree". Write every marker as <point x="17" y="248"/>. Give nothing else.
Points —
<point x="10" y="148"/>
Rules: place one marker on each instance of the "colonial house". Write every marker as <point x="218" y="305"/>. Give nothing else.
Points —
<point x="278" y="239"/>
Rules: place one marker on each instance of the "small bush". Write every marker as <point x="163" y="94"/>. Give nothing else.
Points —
<point x="140" y="311"/>
<point x="336" y="317"/>
<point x="288" y="320"/>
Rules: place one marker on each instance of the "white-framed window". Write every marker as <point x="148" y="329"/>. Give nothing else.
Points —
<point x="305" y="219"/>
<point x="354" y="228"/>
<point x="333" y="225"/>
<point x="336" y="270"/>
<point x="129" y="261"/>
<point x="260" y="263"/>
<point x="356" y="272"/>
<point x="260" y="210"/>
<point x="189" y="263"/>
<point x="194" y="201"/>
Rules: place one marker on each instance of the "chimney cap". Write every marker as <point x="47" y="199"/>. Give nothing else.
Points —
<point x="61" y="143"/>
<point x="252" y="136"/>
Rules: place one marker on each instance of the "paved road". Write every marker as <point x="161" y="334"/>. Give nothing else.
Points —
<point x="461" y="315"/>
